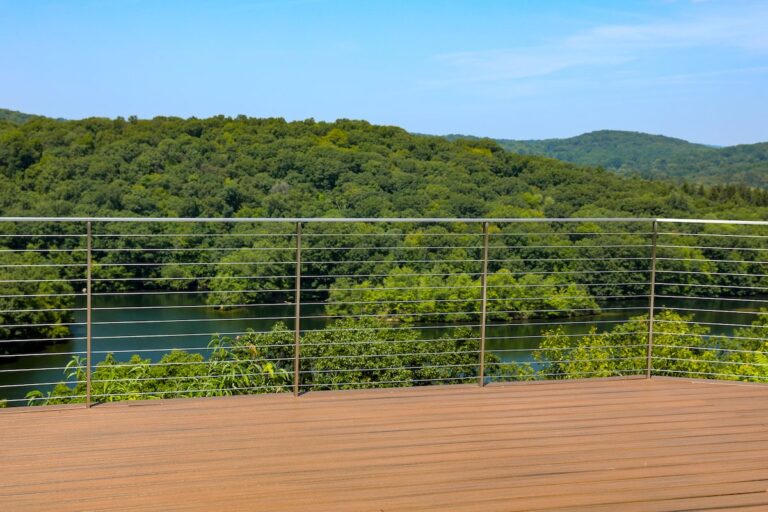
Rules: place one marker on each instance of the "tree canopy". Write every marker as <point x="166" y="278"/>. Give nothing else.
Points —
<point x="243" y="166"/>
<point x="655" y="156"/>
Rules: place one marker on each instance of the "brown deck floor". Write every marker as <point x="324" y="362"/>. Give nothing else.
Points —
<point x="628" y="445"/>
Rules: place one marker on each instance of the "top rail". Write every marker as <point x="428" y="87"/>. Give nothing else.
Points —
<point x="714" y="221"/>
<point x="383" y="220"/>
<point x="386" y="220"/>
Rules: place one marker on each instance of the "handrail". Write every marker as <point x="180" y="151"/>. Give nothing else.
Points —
<point x="387" y="220"/>
<point x="447" y="282"/>
<point x="293" y="220"/>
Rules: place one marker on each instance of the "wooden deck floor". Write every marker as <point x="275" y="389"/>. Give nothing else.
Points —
<point x="632" y="445"/>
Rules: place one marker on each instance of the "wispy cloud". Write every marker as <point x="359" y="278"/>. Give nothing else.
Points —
<point x="509" y="64"/>
<point x="745" y="32"/>
<point x="609" y="45"/>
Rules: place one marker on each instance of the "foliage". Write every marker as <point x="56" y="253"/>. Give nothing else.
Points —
<point x="408" y="296"/>
<point x="231" y="368"/>
<point x="170" y="167"/>
<point x="34" y="303"/>
<point x="681" y="348"/>
<point x="367" y="353"/>
<point x="733" y="170"/>
<point x="14" y="116"/>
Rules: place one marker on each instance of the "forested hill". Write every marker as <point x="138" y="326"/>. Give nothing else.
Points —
<point x="654" y="156"/>
<point x="269" y="167"/>
<point x="14" y="116"/>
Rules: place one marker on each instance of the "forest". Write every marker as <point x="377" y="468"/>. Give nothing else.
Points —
<point x="656" y="156"/>
<point x="248" y="167"/>
<point x="222" y="166"/>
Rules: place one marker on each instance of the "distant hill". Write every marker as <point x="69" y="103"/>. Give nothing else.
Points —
<point x="17" y="117"/>
<point x="627" y="153"/>
<point x="14" y="116"/>
<point x="654" y="156"/>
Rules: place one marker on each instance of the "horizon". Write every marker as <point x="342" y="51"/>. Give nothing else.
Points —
<point x="692" y="70"/>
<point x="412" y="133"/>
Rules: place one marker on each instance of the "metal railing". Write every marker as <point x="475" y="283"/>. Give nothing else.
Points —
<point x="102" y="309"/>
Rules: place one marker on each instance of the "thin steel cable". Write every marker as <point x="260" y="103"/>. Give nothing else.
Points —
<point x="43" y="354"/>
<point x="328" y="303"/>
<point x="694" y="297"/>
<point x="729" y="337"/>
<point x="490" y="325"/>
<point x="714" y="248"/>
<point x="696" y="285"/>
<point x="716" y="349"/>
<point x="537" y="376"/>
<point x="41" y="310"/>
<point x="722" y="324"/>
<point x="706" y="260"/>
<point x="713" y="374"/>
<point x="24" y="340"/>
<point x="698" y="272"/>
<point x="210" y="392"/>
<point x="574" y="361"/>
<point x="24" y="370"/>
<point x="584" y="335"/>
<point x="378" y="383"/>
<point x="35" y="384"/>
<point x="717" y="235"/>
<point x="53" y="324"/>
<point x="283" y="346"/>
<point x="728" y="311"/>
<point x="576" y="347"/>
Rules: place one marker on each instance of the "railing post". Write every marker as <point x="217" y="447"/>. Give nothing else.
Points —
<point x="483" y="305"/>
<point x="652" y="300"/>
<point x="88" y="312"/>
<point x="297" y="313"/>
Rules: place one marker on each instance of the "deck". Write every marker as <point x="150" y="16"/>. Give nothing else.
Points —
<point x="629" y="445"/>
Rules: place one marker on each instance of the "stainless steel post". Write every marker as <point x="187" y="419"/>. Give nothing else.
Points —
<point x="652" y="300"/>
<point x="297" y="314"/>
<point x="88" y="313"/>
<point x="483" y="305"/>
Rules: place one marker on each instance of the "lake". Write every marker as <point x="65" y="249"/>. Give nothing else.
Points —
<point x="123" y="325"/>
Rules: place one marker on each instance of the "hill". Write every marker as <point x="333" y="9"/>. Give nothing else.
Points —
<point x="654" y="156"/>
<point x="14" y="116"/>
<point x="243" y="166"/>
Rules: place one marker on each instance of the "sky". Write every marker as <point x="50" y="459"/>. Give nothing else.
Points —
<point x="516" y="69"/>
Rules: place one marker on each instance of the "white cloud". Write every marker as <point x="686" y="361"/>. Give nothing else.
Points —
<point x="496" y="65"/>
<point x="746" y="32"/>
<point x="606" y="45"/>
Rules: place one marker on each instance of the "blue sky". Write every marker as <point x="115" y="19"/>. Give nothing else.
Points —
<point x="510" y="69"/>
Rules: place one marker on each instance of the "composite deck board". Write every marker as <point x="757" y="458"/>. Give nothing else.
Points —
<point x="646" y="445"/>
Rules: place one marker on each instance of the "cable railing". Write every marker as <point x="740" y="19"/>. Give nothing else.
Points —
<point x="103" y="309"/>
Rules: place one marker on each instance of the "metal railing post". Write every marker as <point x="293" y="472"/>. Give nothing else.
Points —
<point x="88" y="313"/>
<point x="483" y="305"/>
<point x="297" y="313"/>
<point x="652" y="300"/>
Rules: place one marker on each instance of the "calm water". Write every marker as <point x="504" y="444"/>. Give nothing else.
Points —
<point x="173" y="324"/>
